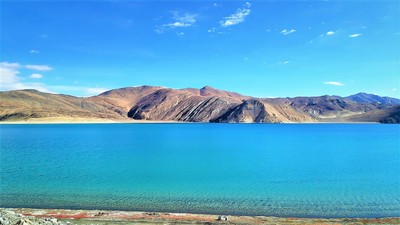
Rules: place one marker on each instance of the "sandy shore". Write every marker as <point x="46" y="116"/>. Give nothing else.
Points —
<point x="103" y="217"/>
<point x="70" y="120"/>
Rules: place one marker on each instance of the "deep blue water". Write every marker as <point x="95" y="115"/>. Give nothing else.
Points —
<point x="307" y="170"/>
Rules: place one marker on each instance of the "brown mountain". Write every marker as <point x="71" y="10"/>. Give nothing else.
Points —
<point x="385" y="115"/>
<point x="28" y="104"/>
<point x="193" y="105"/>
<point x="327" y="108"/>
<point x="370" y="98"/>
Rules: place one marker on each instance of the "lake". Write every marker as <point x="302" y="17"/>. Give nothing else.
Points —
<point x="302" y="170"/>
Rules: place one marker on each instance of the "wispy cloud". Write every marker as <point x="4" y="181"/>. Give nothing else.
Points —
<point x="36" y="76"/>
<point x="33" y="51"/>
<point x="179" y="21"/>
<point x="334" y="83"/>
<point x="287" y="31"/>
<point x="330" y="33"/>
<point x="10" y="79"/>
<point x="9" y="72"/>
<point x="238" y="17"/>
<point x="94" y="91"/>
<point x="354" y="35"/>
<point x="81" y="91"/>
<point x="39" y="67"/>
<point x="9" y="65"/>
<point x="212" y="30"/>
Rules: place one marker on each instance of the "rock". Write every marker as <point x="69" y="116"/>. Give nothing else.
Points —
<point x="8" y="217"/>
<point x="24" y="221"/>
<point x="4" y="221"/>
<point x="222" y="218"/>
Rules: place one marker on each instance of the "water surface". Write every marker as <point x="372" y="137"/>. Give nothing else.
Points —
<point x="307" y="170"/>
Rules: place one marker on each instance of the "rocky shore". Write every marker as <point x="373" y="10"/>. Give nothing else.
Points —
<point x="102" y="217"/>
<point x="10" y="217"/>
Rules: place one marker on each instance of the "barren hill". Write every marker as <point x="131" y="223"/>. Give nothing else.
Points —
<point x="27" y="104"/>
<point x="196" y="105"/>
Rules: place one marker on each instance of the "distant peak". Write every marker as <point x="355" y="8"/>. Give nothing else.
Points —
<point x="363" y="93"/>
<point x="30" y="90"/>
<point x="207" y="88"/>
<point x="373" y="98"/>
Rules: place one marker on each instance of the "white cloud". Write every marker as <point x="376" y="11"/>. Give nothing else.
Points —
<point x="11" y="81"/>
<point x="355" y="35"/>
<point x="33" y="51"/>
<point x="237" y="17"/>
<point x="160" y="30"/>
<point x="95" y="91"/>
<point x="330" y="33"/>
<point x="334" y="83"/>
<point x="180" y="33"/>
<point x="36" y="76"/>
<point x="212" y="30"/>
<point x="81" y="90"/>
<point x="30" y="85"/>
<point x="284" y="62"/>
<point x="9" y="74"/>
<point x="39" y="67"/>
<point x="187" y="18"/>
<point x="179" y="24"/>
<point x="179" y="21"/>
<point x="286" y="31"/>
<point x="394" y="89"/>
<point x="9" y="65"/>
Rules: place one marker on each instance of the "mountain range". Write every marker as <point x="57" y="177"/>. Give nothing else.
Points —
<point x="153" y="103"/>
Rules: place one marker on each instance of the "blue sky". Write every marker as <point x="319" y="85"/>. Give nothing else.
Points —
<point x="258" y="48"/>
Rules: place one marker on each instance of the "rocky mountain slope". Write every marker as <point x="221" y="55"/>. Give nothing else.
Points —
<point x="328" y="108"/>
<point x="385" y="115"/>
<point x="197" y="105"/>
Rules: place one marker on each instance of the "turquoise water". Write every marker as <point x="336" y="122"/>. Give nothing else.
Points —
<point x="307" y="170"/>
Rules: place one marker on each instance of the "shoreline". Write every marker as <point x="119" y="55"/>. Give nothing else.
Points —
<point x="103" y="217"/>
<point x="57" y="120"/>
<point x="85" y="121"/>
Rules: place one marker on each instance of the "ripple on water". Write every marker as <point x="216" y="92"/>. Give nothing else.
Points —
<point x="275" y="170"/>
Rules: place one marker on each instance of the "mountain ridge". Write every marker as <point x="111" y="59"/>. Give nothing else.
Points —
<point x="207" y="104"/>
<point x="372" y="98"/>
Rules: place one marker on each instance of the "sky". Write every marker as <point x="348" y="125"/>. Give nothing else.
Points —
<point x="258" y="48"/>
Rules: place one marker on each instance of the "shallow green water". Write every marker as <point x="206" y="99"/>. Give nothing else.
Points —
<point x="319" y="170"/>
